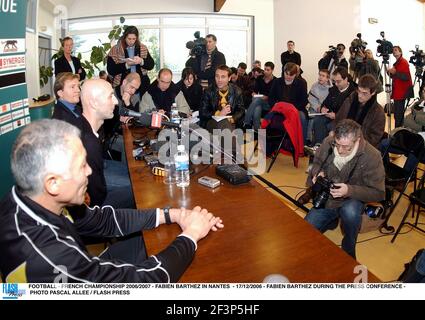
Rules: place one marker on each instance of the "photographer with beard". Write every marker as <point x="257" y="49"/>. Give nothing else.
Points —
<point x="357" y="176"/>
<point x="333" y="58"/>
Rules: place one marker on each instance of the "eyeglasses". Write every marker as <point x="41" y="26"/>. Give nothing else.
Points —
<point x="347" y="148"/>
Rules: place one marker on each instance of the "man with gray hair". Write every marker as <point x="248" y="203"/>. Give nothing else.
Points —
<point x="41" y="242"/>
<point x="354" y="170"/>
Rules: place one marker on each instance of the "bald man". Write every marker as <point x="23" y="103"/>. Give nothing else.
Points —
<point x="109" y="184"/>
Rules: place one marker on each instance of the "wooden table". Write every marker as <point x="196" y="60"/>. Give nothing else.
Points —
<point x="261" y="236"/>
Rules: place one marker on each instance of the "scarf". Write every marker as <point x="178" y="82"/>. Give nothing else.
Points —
<point x="340" y="161"/>
<point x="117" y="53"/>
<point x="223" y="99"/>
<point x="354" y="114"/>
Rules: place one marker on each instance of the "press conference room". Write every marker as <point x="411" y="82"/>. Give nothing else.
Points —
<point x="212" y="141"/>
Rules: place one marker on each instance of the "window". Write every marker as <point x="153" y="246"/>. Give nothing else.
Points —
<point x="166" y="35"/>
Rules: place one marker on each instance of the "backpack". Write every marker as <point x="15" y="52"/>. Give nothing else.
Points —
<point x="414" y="271"/>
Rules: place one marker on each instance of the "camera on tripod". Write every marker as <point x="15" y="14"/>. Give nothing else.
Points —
<point x="198" y="46"/>
<point x="322" y="190"/>
<point x="418" y="60"/>
<point x="385" y="47"/>
<point x="357" y="46"/>
<point x="332" y="53"/>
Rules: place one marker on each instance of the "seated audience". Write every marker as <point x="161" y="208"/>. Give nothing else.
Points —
<point x="41" y="242"/>
<point x="191" y="89"/>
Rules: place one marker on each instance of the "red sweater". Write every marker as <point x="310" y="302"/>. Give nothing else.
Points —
<point x="401" y="87"/>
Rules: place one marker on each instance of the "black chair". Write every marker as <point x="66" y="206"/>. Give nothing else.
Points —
<point x="412" y="146"/>
<point x="277" y="138"/>
<point x="416" y="198"/>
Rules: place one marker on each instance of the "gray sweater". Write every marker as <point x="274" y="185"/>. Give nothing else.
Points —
<point x="317" y="95"/>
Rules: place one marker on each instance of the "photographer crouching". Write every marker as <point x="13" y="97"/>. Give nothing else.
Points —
<point x="347" y="173"/>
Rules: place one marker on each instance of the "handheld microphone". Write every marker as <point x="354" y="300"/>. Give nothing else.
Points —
<point x="129" y="113"/>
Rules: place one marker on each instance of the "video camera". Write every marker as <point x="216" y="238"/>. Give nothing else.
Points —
<point x="332" y="53"/>
<point x="358" y="44"/>
<point x="418" y="60"/>
<point x="385" y="47"/>
<point x="198" y="46"/>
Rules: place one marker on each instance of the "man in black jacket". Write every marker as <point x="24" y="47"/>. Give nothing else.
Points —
<point x="222" y="99"/>
<point x="41" y="242"/>
<point x="206" y="64"/>
<point x="67" y="92"/>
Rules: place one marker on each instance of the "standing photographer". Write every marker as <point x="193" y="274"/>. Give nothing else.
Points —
<point x="333" y="58"/>
<point x="354" y="170"/>
<point x="206" y="63"/>
<point x="402" y="85"/>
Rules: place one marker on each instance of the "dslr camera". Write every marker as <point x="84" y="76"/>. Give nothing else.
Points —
<point x="198" y="46"/>
<point x="385" y="47"/>
<point x="418" y="60"/>
<point x="321" y="191"/>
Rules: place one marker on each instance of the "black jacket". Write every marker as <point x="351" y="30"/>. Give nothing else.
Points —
<point x="335" y="98"/>
<point x="210" y="102"/>
<point x="97" y="183"/>
<point x="60" y="112"/>
<point x="193" y="94"/>
<point x="62" y="65"/>
<point x="324" y="62"/>
<point x="37" y="245"/>
<point x="295" y="93"/>
<point x="217" y="59"/>
<point x="120" y="68"/>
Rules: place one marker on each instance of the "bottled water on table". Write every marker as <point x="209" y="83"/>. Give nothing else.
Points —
<point x="181" y="160"/>
<point x="174" y="114"/>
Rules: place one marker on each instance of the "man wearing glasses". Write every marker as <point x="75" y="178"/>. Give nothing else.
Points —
<point x="357" y="174"/>
<point x="362" y="107"/>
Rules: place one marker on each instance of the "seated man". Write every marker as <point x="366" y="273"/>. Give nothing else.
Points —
<point x="362" y="107"/>
<point x="337" y="94"/>
<point x="41" y="242"/>
<point x="357" y="174"/>
<point x="127" y="97"/>
<point x="109" y="183"/>
<point x="292" y="89"/>
<point x="162" y="93"/>
<point x="67" y="92"/>
<point x="260" y="104"/>
<point x="221" y="99"/>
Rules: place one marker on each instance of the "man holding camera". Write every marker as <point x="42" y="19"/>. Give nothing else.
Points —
<point x="205" y="64"/>
<point x="351" y="174"/>
<point x="333" y="58"/>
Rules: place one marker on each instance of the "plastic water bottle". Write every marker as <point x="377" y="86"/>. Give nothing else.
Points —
<point x="174" y="113"/>
<point x="181" y="159"/>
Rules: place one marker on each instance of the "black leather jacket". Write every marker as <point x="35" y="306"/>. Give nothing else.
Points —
<point x="210" y="102"/>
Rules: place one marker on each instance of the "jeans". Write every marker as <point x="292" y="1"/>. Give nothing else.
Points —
<point x="120" y="193"/>
<point x="304" y="124"/>
<point x="321" y="128"/>
<point x="350" y="214"/>
<point x="399" y="112"/>
<point x="254" y="112"/>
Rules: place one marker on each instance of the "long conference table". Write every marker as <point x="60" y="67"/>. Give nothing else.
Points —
<point x="261" y="235"/>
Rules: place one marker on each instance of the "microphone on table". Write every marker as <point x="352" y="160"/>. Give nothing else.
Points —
<point x="144" y="119"/>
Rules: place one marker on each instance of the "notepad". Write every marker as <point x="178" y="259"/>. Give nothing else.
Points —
<point x="314" y="114"/>
<point x="220" y="118"/>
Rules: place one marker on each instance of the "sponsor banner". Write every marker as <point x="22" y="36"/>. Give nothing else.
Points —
<point x="8" y="63"/>
<point x="18" y="123"/>
<point x="6" y="128"/>
<point x="5" y="118"/>
<point x="12" y="79"/>
<point x="16" y="104"/>
<point x="18" y="114"/>
<point x="27" y="120"/>
<point x="25" y="101"/>
<point x="5" y="108"/>
<point x="27" y="111"/>
<point x="12" y="46"/>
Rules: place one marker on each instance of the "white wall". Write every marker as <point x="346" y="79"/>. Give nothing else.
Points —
<point x="403" y="24"/>
<point x="84" y="8"/>
<point x="314" y="25"/>
<point x="262" y="10"/>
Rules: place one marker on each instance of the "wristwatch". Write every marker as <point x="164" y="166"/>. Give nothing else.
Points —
<point x="167" y="215"/>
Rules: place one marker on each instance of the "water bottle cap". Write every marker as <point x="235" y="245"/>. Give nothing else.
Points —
<point x="180" y="147"/>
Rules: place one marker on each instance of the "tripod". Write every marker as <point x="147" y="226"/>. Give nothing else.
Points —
<point x="387" y="86"/>
<point x="418" y="79"/>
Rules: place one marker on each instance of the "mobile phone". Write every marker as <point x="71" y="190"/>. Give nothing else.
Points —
<point x="209" y="182"/>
